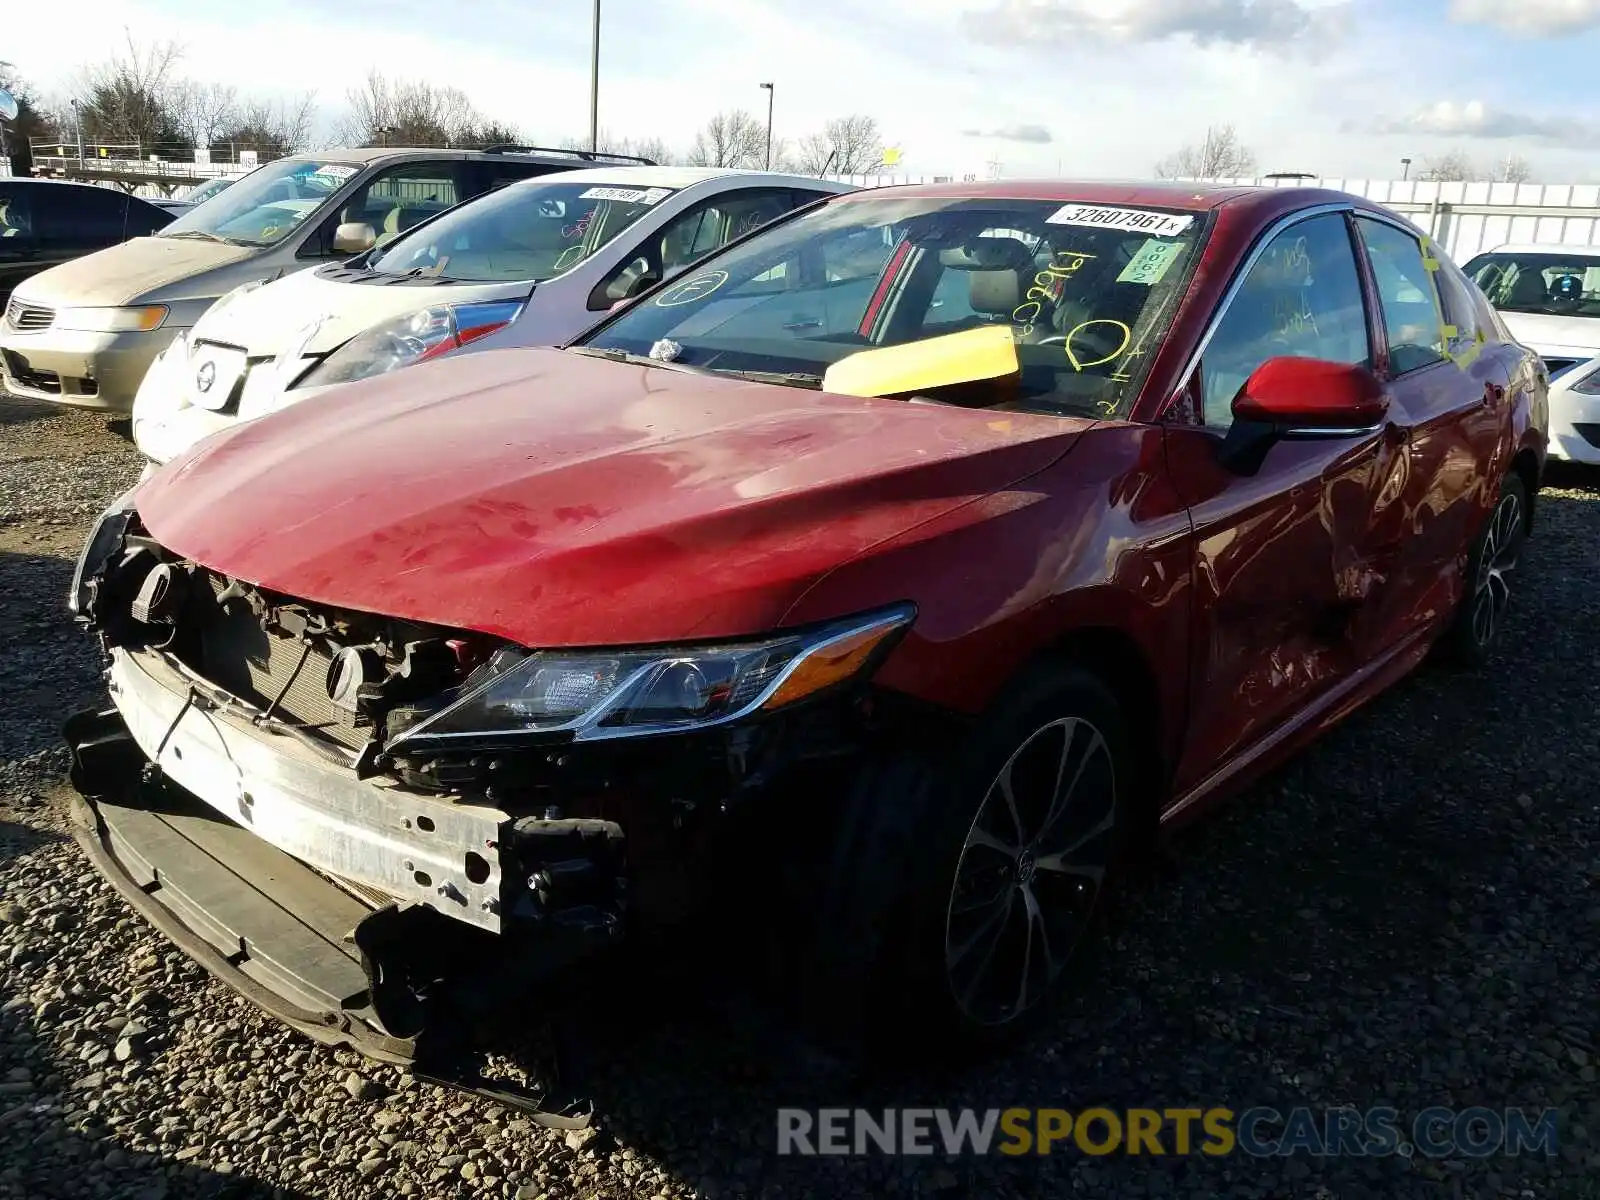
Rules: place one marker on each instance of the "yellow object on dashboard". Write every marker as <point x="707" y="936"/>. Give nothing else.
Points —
<point x="989" y="352"/>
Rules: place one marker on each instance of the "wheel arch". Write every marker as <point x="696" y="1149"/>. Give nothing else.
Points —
<point x="1115" y="657"/>
<point x="1526" y="464"/>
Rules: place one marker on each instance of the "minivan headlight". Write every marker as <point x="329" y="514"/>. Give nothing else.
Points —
<point x="141" y="318"/>
<point x="598" y="694"/>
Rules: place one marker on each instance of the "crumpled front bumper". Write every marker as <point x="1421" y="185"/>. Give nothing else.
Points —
<point x="409" y="847"/>
<point x="268" y="926"/>
<point x="358" y="912"/>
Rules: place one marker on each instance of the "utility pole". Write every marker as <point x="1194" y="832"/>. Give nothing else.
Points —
<point x="77" y="125"/>
<point x="594" y="83"/>
<point x="771" y="94"/>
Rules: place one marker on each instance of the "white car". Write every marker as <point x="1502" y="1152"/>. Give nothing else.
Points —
<point x="553" y="254"/>
<point x="1549" y="297"/>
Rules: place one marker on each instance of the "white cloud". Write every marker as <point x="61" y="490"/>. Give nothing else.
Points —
<point x="1532" y="17"/>
<point x="1474" y="119"/>
<point x="1253" y="23"/>
<point x="1036" y="135"/>
<point x="1083" y="87"/>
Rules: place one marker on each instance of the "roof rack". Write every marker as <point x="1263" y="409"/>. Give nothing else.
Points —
<point x="585" y="155"/>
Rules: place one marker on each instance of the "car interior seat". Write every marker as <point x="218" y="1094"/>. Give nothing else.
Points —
<point x="399" y="219"/>
<point x="1528" y="290"/>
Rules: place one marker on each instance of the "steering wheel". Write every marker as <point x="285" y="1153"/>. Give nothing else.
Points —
<point x="1093" y="343"/>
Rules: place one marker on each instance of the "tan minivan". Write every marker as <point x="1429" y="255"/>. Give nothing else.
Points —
<point x="83" y="333"/>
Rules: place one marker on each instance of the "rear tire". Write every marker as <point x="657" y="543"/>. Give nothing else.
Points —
<point x="964" y="885"/>
<point x="1496" y="552"/>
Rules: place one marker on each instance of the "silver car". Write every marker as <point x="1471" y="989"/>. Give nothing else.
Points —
<point x="537" y="262"/>
<point x="84" y="333"/>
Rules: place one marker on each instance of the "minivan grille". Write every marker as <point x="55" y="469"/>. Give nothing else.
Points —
<point x="22" y="315"/>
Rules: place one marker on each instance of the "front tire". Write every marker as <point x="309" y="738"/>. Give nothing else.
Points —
<point x="965" y="884"/>
<point x="1491" y="563"/>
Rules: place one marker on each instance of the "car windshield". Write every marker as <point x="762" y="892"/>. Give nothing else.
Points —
<point x="527" y="231"/>
<point x="1552" y="282"/>
<point x="201" y="192"/>
<point x="1086" y="291"/>
<point x="266" y="205"/>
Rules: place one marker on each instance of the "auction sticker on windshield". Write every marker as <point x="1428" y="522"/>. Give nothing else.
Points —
<point x="334" y="172"/>
<point x="1151" y="262"/>
<point x="627" y="195"/>
<point x="1135" y="220"/>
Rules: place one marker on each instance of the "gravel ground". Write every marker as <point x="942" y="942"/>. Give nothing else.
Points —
<point x="1408" y="915"/>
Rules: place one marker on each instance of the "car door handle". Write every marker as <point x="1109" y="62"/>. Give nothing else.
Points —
<point x="803" y="323"/>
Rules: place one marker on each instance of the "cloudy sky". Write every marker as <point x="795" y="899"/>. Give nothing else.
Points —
<point x="1089" y="87"/>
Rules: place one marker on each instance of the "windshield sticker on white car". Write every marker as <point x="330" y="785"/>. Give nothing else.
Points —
<point x="1151" y="262"/>
<point x="1135" y="220"/>
<point x="627" y="195"/>
<point x="334" y="172"/>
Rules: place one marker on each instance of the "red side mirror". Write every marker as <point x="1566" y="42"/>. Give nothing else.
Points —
<point x="1311" y="394"/>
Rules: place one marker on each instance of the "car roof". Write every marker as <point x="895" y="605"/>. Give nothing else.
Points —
<point x="72" y="183"/>
<point x="9" y="180"/>
<point x="1185" y="195"/>
<point x="623" y="175"/>
<point x="1196" y="197"/>
<point x="1547" y="248"/>
<point x="371" y="154"/>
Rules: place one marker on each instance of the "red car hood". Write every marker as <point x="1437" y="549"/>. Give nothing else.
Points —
<point x="556" y="499"/>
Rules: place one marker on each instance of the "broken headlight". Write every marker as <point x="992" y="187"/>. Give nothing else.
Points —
<point x="591" y="695"/>
<point x="413" y="338"/>
<point x="104" y="543"/>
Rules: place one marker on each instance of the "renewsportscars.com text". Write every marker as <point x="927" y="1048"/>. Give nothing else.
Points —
<point x="1259" y="1132"/>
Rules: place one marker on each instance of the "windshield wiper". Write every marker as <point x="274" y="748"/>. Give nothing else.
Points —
<point x="782" y="378"/>
<point x="196" y="233"/>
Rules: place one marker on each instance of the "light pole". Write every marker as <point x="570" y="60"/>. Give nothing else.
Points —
<point x="594" y="83"/>
<point x="771" y="95"/>
<point x="77" y="125"/>
<point x="1405" y="164"/>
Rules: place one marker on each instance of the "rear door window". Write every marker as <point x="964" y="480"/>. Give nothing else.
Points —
<point x="1463" y="316"/>
<point x="1405" y="286"/>
<point x="16" y="210"/>
<point x="82" y="218"/>
<point x="487" y="176"/>
<point x="146" y="219"/>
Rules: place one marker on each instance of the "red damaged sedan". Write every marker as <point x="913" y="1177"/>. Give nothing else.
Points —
<point x="893" y="573"/>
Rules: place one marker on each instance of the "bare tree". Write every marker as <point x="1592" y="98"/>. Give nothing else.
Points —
<point x="607" y="142"/>
<point x="653" y="148"/>
<point x="131" y="94"/>
<point x="1448" y="168"/>
<point x="205" y="111"/>
<point x="413" y="112"/>
<point x="272" y="128"/>
<point x="1221" y="155"/>
<point x="730" y="139"/>
<point x="846" y="146"/>
<point x="1513" y="168"/>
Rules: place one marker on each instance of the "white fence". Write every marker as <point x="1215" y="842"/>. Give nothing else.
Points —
<point x="1464" y="218"/>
